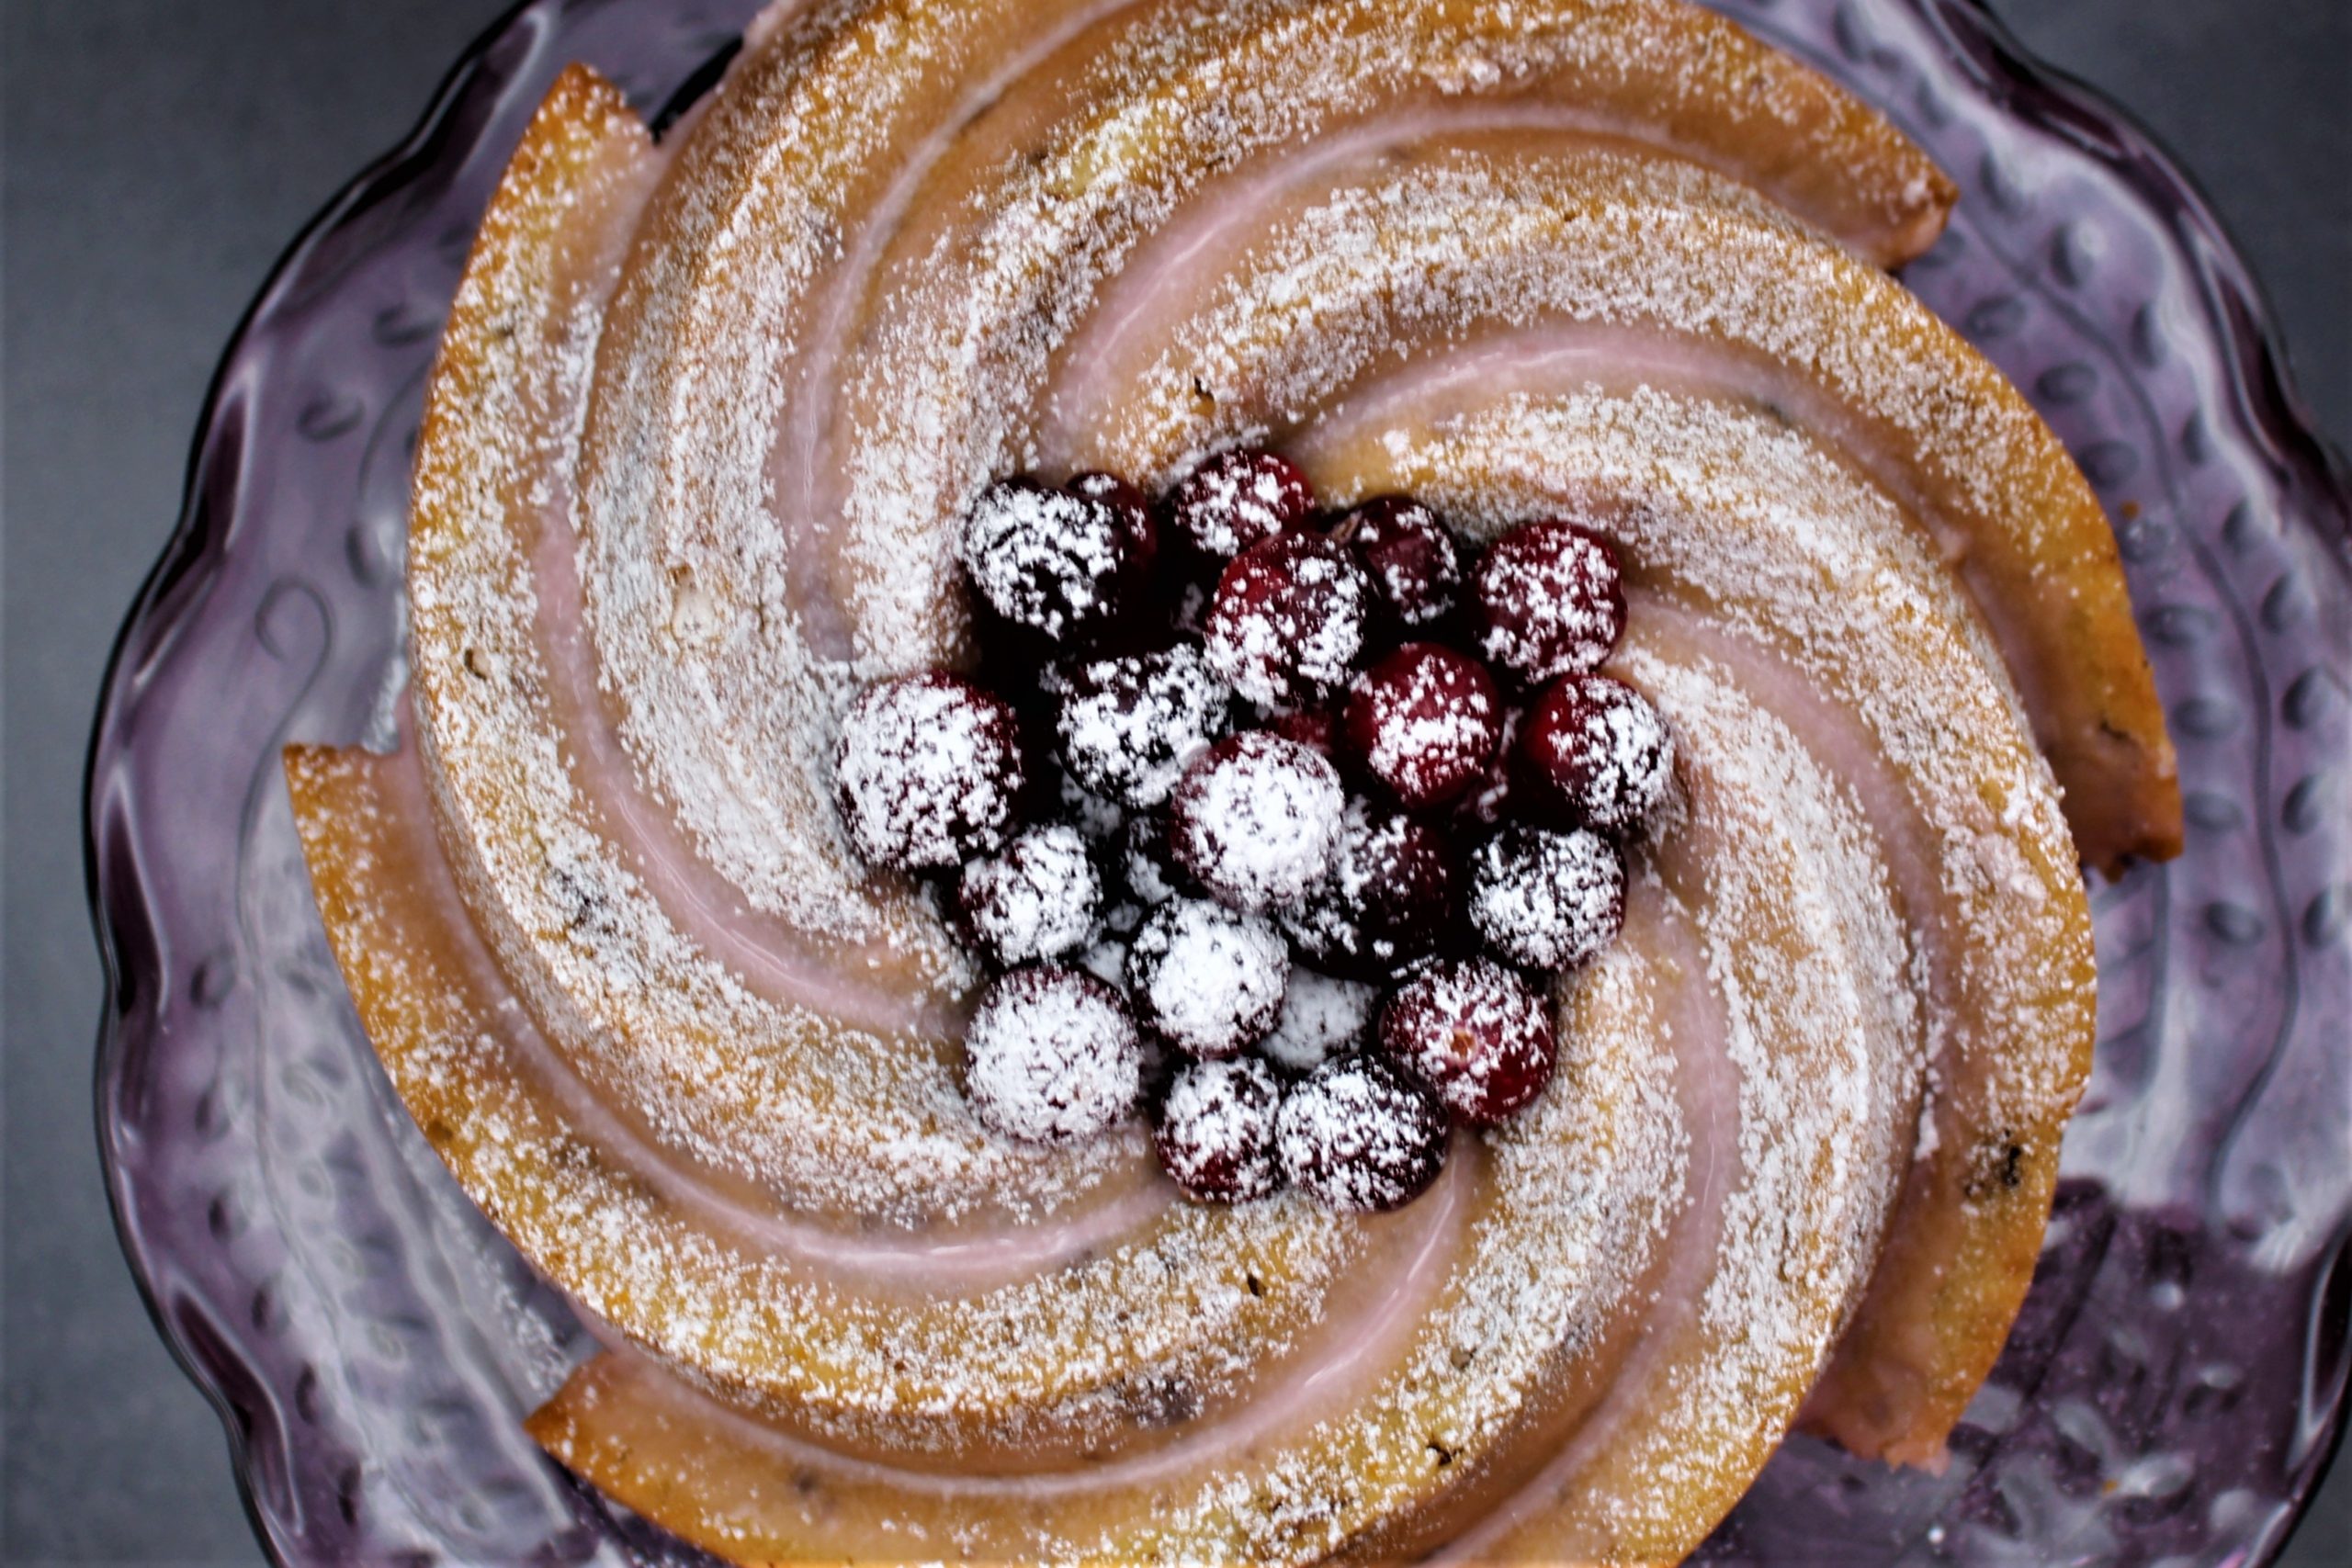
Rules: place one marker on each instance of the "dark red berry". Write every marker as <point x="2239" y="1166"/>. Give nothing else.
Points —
<point x="1414" y="558"/>
<point x="1547" y="901"/>
<point x="1477" y="1033"/>
<point x="1062" y="564"/>
<point x="1288" y="622"/>
<point x="1424" y="721"/>
<point x="1129" y="727"/>
<point x="1386" y="900"/>
<point x="1206" y="979"/>
<point x="1217" y="1131"/>
<point x="1052" y="1056"/>
<point x="1256" y="819"/>
<point x="1549" y="600"/>
<point x="1362" y="1136"/>
<point x="1237" y="499"/>
<point x="1138" y="524"/>
<point x="1596" y="753"/>
<point x="1041" y="898"/>
<point x="927" y="772"/>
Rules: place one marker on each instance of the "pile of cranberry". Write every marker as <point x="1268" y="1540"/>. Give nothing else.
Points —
<point x="1276" y="821"/>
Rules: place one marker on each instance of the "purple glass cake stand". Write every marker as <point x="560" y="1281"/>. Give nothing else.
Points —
<point x="2178" y="1379"/>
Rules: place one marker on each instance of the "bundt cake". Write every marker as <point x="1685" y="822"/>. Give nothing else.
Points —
<point x="709" y="421"/>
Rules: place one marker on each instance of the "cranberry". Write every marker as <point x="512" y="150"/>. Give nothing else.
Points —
<point x="1062" y="564"/>
<point x="1424" y="721"/>
<point x="1475" y="1032"/>
<point x="1414" y="560"/>
<point x="1362" y="1136"/>
<point x="1052" y="1056"/>
<point x="1596" y="753"/>
<point x="1288" y="621"/>
<point x="927" y="772"/>
<point x="1256" y="819"/>
<point x="1386" y="900"/>
<point x="1217" y="1131"/>
<point x="1129" y="727"/>
<point x="1039" y="898"/>
<point x="1323" y="1016"/>
<point x="1551" y="601"/>
<point x="1208" y="980"/>
<point x="1237" y="499"/>
<point x="1547" y="901"/>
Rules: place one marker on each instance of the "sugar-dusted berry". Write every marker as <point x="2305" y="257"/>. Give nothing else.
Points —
<point x="1549" y="600"/>
<point x="1362" y="1135"/>
<point x="1061" y="563"/>
<point x="1238" y="498"/>
<point x="1129" y="727"/>
<point x="1547" y="901"/>
<point x="1215" y="1135"/>
<point x="1256" y="819"/>
<point x="927" y="772"/>
<point x="1039" y="897"/>
<point x="1052" y="1056"/>
<point x="1208" y="979"/>
<point x="1414" y="558"/>
<point x="1596" y="753"/>
<point x="1289" y="620"/>
<point x="1386" y="901"/>
<point x="1477" y="1033"/>
<point x="1424" y="722"/>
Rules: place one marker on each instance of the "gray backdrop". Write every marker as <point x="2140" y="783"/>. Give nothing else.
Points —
<point x="157" y="155"/>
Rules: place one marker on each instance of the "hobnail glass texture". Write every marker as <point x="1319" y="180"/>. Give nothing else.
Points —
<point x="2177" y="1382"/>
